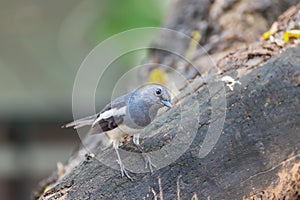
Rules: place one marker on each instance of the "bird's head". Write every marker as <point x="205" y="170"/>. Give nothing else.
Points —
<point x="157" y="95"/>
<point x="145" y="102"/>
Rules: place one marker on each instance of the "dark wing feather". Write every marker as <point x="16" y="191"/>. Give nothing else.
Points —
<point x="104" y="124"/>
<point x="107" y="124"/>
<point x="113" y="121"/>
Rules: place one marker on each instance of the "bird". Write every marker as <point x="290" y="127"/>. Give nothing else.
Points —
<point x="127" y="115"/>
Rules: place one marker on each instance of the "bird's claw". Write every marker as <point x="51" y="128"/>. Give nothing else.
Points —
<point x="123" y="171"/>
<point x="148" y="162"/>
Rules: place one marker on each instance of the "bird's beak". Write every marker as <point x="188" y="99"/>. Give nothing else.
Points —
<point x="166" y="103"/>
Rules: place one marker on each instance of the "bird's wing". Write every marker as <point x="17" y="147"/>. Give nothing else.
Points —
<point x="107" y="119"/>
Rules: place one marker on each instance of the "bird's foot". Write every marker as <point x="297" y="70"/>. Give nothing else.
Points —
<point x="148" y="162"/>
<point x="123" y="170"/>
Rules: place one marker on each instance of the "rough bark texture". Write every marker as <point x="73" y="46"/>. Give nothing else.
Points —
<point x="257" y="155"/>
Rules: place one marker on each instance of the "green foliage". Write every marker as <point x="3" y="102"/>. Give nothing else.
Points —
<point x="116" y="16"/>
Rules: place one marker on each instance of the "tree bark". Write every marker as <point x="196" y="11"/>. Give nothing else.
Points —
<point x="253" y="154"/>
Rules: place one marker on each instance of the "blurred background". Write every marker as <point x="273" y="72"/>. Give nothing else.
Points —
<point x="42" y="46"/>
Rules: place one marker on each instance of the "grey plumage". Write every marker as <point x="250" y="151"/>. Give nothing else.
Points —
<point x="127" y="114"/>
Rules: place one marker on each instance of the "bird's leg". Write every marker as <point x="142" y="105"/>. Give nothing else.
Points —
<point x="147" y="159"/>
<point x="123" y="170"/>
<point x="136" y="139"/>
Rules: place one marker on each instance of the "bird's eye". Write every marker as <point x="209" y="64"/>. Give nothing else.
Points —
<point x="158" y="91"/>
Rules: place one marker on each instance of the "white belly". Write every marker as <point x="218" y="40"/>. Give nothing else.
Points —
<point x="118" y="133"/>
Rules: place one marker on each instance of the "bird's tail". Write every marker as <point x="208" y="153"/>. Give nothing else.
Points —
<point x="81" y="122"/>
<point x="95" y="137"/>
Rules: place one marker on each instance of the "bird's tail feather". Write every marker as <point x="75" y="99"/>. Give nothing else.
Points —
<point x="81" y="122"/>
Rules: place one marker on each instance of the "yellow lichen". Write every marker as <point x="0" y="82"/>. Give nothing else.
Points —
<point x="291" y="34"/>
